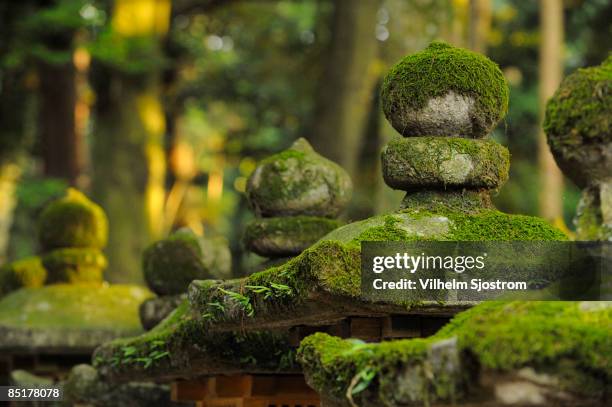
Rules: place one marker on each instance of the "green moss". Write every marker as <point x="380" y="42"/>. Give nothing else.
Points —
<point x="498" y="226"/>
<point x="441" y="68"/>
<point x="74" y="265"/>
<point x="298" y="181"/>
<point x="464" y="201"/>
<point x="169" y="265"/>
<point x="580" y="111"/>
<point x="28" y="272"/>
<point x="286" y="236"/>
<point x="559" y="338"/>
<point x="179" y="339"/>
<point x="329" y="267"/>
<point x="73" y="221"/>
<point x="333" y="265"/>
<point x="74" y="306"/>
<point x="539" y="334"/>
<point x="441" y="162"/>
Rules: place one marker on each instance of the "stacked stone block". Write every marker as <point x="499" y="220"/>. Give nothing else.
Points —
<point x="295" y="194"/>
<point x="578" y="125"/>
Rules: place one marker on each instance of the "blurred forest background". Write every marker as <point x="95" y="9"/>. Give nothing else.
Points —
<point x="160" y="109"/>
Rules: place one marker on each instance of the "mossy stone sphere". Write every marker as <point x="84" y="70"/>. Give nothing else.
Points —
<point x="169" y="265"/>
<point x="73" y="221"/>
<point x="578" y="124"/>
<point x="444" y="91"/>
<point x="298" y="181"/>
<point x="74" y="265"/>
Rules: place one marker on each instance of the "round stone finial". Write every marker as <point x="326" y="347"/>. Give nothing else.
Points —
<point x="73" y="221"/>
<point x="170" y="264"/>
<point x="298" y="181"/>
<point x="444" y="91"/>
<point x="578" y="124"/>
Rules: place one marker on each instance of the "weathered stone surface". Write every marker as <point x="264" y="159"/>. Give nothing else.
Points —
<point x="578" y="125"/>
<point x="285" y="236"/>
<point x="85" y="386"/>
<point x="169" y="265"/>
<point x="25" y="379"/>
<point x="73" y="221"/>
<point x="298" y="181"/>
<point x="68" y="317"/>
<point x="444" y="162"/>
<point x="444" y="91"/>
<point x="74" y="265"/>
<point x="594" y="213"/>
<point x="154" y="310"/>
<point x="182" y="346"/>
<point x="505" y="353"/>
<point x="28" y="272"/>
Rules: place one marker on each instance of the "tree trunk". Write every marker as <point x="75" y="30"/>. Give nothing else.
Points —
<point x="480" y="23"/>
<point x="128" y="156"/>
<point x="551" y="71"/>
<point x="62" y="149"/>
<point x="9" y="175"/>
<point x="345" y="90"/>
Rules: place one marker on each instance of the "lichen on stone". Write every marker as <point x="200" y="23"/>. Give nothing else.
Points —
<point x="74" y="265"/>
<point x="285" y="236"/>
<point x="298" y="181"/>
<point x="435" y="74"/>
<point x="444" y="162"/>
<point x="73" y="221"/>
<point x="27" y="272"/>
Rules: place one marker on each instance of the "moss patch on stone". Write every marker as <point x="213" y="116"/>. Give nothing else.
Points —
<point x="169" y="349"/>
<point x="169" y="265"/>
<point x="73" y="221"/>
<point x="78" y="306"/>
<point x="28" y="272"/>
<point x="333" y="265"/>
<point x="563" y="339"/>
<point x="580" y="112"/>
<point x="441" y="162"/>
<point x="74" y="265"/>
<point x="298" y="181"/>
<point x="285" y="236"/>
<point x="442" y="68"/>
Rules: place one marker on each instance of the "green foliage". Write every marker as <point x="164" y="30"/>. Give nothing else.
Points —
<point x="73" y="221"/>
<point x="131" y="55"/>
<point x="441" y="68"/>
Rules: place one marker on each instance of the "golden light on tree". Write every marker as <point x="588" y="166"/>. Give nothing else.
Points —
<point x="550" y="72"/>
